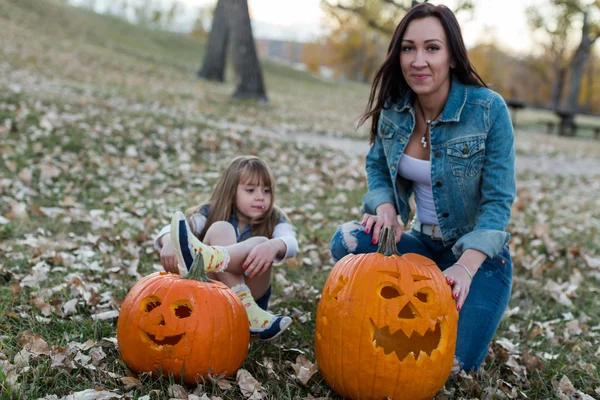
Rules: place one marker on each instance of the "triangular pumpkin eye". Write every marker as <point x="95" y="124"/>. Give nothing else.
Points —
<point x="422" y="296"/>
<point x="390" y="292"/>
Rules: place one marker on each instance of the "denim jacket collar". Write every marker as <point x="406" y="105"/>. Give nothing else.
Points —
<point x="454" y="105"/>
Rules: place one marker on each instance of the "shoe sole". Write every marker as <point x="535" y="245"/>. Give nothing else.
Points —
<point x="179" y="234"/>
<point x="283" y="328"/>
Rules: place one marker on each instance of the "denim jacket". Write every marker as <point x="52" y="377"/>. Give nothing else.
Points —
<point x="472" y="166"/>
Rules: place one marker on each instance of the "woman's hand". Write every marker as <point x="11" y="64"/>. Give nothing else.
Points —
<point x="376" y="222"/>
<point x="460" y="281"/>
<point x="167" y="255"/>
<point x="260" y="259"/>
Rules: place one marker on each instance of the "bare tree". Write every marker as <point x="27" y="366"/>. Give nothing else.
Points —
<point x="215" y="56"/>
<point x="246" y="67"/>
<point x="589" y="34"/>
<point x="232" y="23"/>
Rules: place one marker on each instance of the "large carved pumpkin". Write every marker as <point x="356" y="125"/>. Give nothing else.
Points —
<point x="186" y="326"/>
<point x="386" y="326"/>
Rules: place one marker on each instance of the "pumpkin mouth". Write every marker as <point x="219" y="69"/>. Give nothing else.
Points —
<point x="403" y="345"/>
<point x="164" y="341"/>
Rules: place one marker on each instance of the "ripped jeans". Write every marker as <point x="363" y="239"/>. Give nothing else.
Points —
<point x="488" y="296"/>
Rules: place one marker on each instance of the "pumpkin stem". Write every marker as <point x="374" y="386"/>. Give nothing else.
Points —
<point x="387" y="242"/>
<point x="196" y="271"/>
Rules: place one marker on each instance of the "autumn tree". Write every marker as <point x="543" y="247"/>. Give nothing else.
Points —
<point x="590" y="32"/>
<point x="232" y="23"/>
<point x="362" y="30"/>
<point x="355" y="53"/>
<point x="381" y="15"/>
<point x="557" y="25"/>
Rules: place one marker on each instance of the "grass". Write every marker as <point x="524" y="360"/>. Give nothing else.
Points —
<point x="105" y="131"/>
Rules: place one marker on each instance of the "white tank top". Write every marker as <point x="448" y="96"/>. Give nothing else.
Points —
<point x="419" y="171"/>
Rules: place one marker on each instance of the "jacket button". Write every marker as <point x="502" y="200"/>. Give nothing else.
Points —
<point x="445" y="214"/>
<point x="437" y="153"/>
<point x="438" y="184"/>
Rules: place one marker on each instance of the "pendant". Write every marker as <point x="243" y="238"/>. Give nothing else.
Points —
<point x="424" y="142"/>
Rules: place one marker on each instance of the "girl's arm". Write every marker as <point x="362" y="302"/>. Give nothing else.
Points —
<point x="284" y="238"/>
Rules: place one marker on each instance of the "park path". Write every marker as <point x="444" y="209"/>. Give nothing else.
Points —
<point x="555" y="165"/>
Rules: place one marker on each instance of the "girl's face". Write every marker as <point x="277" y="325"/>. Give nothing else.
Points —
<point x="425" y="57"/>
<point x="252" y="200"/>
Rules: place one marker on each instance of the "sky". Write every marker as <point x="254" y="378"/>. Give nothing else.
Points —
<point x="503" y="20"/>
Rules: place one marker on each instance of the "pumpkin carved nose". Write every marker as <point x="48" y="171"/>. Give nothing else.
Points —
<point x="409" y="312"/>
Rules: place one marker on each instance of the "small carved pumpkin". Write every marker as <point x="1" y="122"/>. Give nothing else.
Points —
<point x="186" y="326"/>
<point x="386" y="326"/>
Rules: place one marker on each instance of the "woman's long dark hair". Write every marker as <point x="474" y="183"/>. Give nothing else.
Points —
<point x="389" y="81"/>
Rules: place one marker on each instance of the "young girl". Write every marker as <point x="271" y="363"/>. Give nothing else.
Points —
<point x="240" y="233"/>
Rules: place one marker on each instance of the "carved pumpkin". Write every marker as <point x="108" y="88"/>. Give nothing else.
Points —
<point x="186" y="326"/>
<point x="386" y="326"/>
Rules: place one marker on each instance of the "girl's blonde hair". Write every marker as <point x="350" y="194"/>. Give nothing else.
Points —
<point x="245" y="170"/>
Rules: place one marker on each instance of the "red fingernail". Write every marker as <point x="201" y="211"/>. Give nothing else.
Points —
<point x="373" y="241"/>
<point x="450" y="281"/>
<point x="456" y="295"/>
<point x="458" y="308"/>
<point x="367" y="230"/>
<point x="244" y="266"/>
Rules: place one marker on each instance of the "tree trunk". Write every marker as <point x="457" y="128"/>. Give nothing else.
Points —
<point x="578" y="64"/>
<point x="246" y="67"/>
<point x="558" y="86"/>
<point x="215" y="56"/>
<point x="590" y="82"/>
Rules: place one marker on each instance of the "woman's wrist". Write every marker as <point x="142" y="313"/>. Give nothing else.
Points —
<point x="386" y="209"/>
<point x="471" y="260"/>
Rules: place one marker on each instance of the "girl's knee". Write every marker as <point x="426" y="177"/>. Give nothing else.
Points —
<point x="220" y="233"/>
<point x="220" y="227"/>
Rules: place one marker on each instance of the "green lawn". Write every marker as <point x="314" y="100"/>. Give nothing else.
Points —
<point x="104" y="132"/>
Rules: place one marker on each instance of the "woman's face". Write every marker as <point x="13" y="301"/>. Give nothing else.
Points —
<point x="425" y="57"/>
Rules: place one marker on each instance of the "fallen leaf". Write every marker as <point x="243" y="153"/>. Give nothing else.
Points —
<point x="178" y="392"/>
<point x="92" y="394"/>
<point x="130" y="382"/>
<point x="103" y="316"/>
<point x="250" y="387"/>
<point x="70" y="307"/>
<point x="304" y="369"/>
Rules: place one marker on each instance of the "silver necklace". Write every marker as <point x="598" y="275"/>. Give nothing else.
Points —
<point x="428" y="122"/>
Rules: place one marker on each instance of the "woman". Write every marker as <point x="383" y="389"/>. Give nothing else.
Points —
<point x="438" y="132"/>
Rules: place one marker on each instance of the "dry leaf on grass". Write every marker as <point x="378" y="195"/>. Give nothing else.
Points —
<point x="304" y="369"/>
<point x="103" y="316"/>
<point x="178" y="392"/>
<point x="92" y="394"/>
<point x="250" y="387"/>
<point x="130" y="382"/>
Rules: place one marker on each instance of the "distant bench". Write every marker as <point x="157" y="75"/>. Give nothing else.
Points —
<point x="567" y="126"/>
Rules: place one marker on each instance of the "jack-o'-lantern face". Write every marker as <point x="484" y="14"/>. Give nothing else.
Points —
<point x="385" y="323"/>
<point x="174" y="325"/>
<point x="165" y="324"/>
<point x="412" y="313"/>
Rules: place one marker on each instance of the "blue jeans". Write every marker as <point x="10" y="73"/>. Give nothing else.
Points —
<point x="488" y="295"/>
